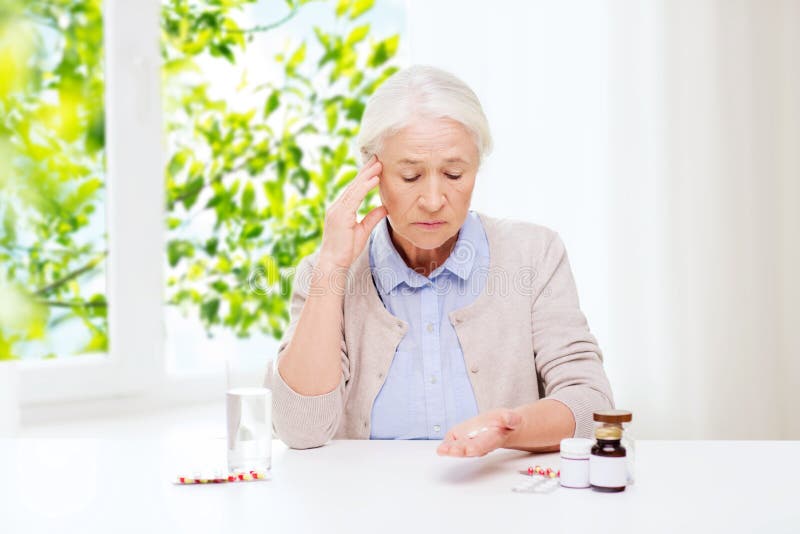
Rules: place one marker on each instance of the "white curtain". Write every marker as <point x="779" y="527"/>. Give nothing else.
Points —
<point x="662" y="140"/>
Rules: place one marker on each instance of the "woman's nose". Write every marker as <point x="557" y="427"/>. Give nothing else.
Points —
<point x="432" y="198"/>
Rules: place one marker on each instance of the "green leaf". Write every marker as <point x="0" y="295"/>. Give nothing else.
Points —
<point x="271" y="270"/>
<point x="355" y="109"/>
<point x="301" y="178"/>
<point x="191" y="190"/>
<point x="323" y="38"/>
<point x="272" y="103"/>
<point x="180" y="65"/>
<point x="223" y="50"/>
<point x="252" y="230"/>
<point x="357" y="35"/>
<point x="82" y="194"/>
<point x="97" y="343"/>
<point x="295" y="153"/>
<point x="209" y="311"/>
<point x="356" y="80"/>
<point x="248" y="199"/>
<point x="360" y="7"/>
<point x="99" y="308"/>
<point x="211" y="246"/>
<point x="7" y="347"/>
<point x="274" y="192"/>
<point x="220" y="286"/>
<point x="383" y="51"/>
<point x="342" y="6"/>
<point x="96" y="132"/>
<point x="177" y="162"/>
<point x="297" y="58"/>
<point x="178" y="249"/>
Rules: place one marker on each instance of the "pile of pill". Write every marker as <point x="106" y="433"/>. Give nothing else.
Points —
<point x="539" y="470"/>
<point x="218" y="477"/>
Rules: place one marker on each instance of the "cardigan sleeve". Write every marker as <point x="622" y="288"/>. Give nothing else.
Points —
<point x="568" y="359"/>
<point x="304" y="421"/>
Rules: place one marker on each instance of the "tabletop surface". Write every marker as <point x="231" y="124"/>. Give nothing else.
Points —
<point x="125" y="485"/>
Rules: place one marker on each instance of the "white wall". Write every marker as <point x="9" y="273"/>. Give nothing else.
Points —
<point x="540" y="73"/>
<point x="661" y="140"/>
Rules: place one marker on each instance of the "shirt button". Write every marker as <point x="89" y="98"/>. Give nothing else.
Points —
<point x="430" y="327"/>
<point x="436" y="428"/>
<point x="366" y="424"/>
<point x="380" y="375"/>
<point x="475" y="369"/>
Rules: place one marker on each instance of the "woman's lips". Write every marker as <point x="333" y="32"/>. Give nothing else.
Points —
<point x="430" y="225"/>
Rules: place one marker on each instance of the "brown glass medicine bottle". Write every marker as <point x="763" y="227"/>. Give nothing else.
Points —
<point x="608" y="469"/>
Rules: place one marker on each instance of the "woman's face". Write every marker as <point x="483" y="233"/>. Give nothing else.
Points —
<point x="429" y="170"/>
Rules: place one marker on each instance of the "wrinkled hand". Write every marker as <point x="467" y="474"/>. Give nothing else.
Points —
<point x="481" y="434"/>
<point x="343" y="236"/>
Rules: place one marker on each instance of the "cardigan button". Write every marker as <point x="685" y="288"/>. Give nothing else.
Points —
<point x="475" y="369"/>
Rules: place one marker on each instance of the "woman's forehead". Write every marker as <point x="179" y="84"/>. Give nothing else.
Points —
<point x="425" y="140"/>
<point x="415" y="160"/>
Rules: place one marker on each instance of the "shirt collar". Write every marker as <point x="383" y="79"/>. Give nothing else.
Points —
<point x="390" y="269"/>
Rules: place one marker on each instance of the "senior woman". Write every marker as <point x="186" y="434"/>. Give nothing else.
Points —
<point x="426" y="320"/>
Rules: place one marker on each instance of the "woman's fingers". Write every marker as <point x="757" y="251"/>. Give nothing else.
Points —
<point x="480" y="444"/>
<point x="343" y="236"/>
<point x="372" y="218"/>
<point x="444" y="447"/>
<point x="355" y="192"/>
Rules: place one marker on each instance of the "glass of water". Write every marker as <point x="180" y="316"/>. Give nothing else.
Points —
<point x="248" y="407"/>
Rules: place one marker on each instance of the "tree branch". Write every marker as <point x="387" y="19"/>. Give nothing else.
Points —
<point x="70" y="276"/>
<point x="267" y="27"/>
<point x="73" y="304"/>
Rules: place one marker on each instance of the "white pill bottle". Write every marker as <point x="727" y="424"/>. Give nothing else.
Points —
<point x="574" y="463"/>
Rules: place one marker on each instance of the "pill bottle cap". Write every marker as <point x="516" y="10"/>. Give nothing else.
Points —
<point x="613" y="416"/>
<point x="576" y="447"/>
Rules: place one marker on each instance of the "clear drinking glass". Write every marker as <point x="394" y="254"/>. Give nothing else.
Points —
<point x="248" y="407"/>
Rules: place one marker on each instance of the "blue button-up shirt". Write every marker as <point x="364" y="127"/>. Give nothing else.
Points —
<point x="427" y="390"/>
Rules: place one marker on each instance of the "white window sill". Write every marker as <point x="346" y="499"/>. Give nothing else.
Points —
<point x="201" y="420"/>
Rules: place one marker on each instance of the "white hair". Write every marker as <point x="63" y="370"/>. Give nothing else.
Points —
<point x="421" y="91"/>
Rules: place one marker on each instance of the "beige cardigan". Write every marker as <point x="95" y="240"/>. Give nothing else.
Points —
<point x="523" y="338"/>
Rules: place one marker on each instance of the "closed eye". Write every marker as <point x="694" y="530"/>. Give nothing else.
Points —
<point x="415" y="178"/>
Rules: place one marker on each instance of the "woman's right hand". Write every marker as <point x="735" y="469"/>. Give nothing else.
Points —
<point x="343" y="237"/>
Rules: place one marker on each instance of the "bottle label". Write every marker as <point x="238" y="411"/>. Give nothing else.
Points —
<point x="608" y="472"/>
<point x="574" y="473"/>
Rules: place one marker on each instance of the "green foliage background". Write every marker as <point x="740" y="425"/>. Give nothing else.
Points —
<point x="247" y="188"/>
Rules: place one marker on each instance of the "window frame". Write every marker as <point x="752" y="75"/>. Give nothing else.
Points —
<point x="134" y="181"/>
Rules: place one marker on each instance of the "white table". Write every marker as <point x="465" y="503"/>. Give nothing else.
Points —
<point x="119" y="486"/>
